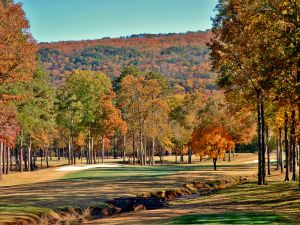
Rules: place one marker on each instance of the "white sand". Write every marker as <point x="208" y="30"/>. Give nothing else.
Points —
<point x="256" y="161"/>
<point x="86" y="167"/>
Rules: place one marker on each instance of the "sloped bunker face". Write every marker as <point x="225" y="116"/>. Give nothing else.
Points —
<point x="228" y="218"/>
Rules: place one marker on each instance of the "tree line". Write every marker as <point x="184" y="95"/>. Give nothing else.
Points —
<point x="88" y="117"/>
<point x="256" y="52"/>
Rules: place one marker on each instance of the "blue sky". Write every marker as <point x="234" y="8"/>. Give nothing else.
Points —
<point x="57" y="20"/>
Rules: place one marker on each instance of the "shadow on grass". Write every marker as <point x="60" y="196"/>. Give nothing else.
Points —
<point x="228" y="218"/>
<point x="95" y="186"/>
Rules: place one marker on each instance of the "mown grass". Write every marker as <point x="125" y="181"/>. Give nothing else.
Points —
<point x="277" y="203"/>
<point x="95" y="186"/>
<point x="84" y="188"/>
<point x="132" y="172"/>
<point x="228" y="218"/>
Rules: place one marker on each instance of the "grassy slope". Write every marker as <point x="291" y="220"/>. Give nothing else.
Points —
<point x="94" y="186"/>
<point x="278" y="202"/>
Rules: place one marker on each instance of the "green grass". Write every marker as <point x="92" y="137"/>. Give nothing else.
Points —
<point x="8" y="213"/>
<point x="227" y="218"/>
<point x="95" y="186"/>
<point x="131" y="172"/>
<point x="90" y="188"/>
<point x="277" y="202"/>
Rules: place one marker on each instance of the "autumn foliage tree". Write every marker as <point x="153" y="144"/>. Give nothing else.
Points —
<point x="255" y="51"/>
<point x="145" y="111"/>
<point x="17" y="64"/>
<point x="212" y="142"/>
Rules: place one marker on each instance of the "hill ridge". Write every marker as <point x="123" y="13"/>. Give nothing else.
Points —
<point x="182" y="58"/>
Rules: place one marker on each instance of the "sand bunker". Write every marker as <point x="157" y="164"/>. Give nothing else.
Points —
<point x="256" y="161"/>
<point x="86" y="167"/>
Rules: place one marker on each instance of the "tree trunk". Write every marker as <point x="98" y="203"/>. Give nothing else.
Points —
<point x="64" y="152"/>
<point x="10" y="160"/>
<point x="141" y="149"/>
<point x="21" y="152"/>
<point x="58" y="153"/>
<point x="34" y="159"/>
<point x="286" y="147"/>
<point x="229" y="156"/>
<point x="181" y="154"/>
<point x="25" y="158"/>
<point x="290" y="153"/>
<point x="280" y="151"/>
<point x="152" y="152"/>
<point x="268" y="150"/>
<point x="189" y="154"/>
<point x="93" y="152"/>
<point x="7" y="160"/>
<point x="146" y="153"/>
<point x="161" y="156"/>
<point x="260" y="179"/>
<point x="277" y="153"/>
<point x="74" y="155"/>
<point x="41" y="155"/>
<point x="50" y="152"/>
<point x="293" y="134"/>
<point x="298" y="105"/>
<point x="124" y="149"/>
<point x="88" y="157"/>
<point x="263" y="142"/>
<point x="1" y="152"/>
<point x="29" y="155"/>
<point x="299" y="165"/>
<point x="215" y="163"/>
<point x="102" y="155"/>
<point x="115" y="148"/>
<point x="69" y="153"/>
<point x="133" y="149"/>
<point x="47" y="157"/>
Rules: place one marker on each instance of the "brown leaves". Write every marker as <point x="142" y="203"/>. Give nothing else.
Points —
<point x="17" y="64"/>
<point x="17" y="47"/>
<point x="9" y="128"/>
<point x="113" y="122"/>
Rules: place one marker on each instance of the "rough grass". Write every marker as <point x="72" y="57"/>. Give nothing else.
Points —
<point x="276" y="203"/>
<point x="49" y="189"/>
<point x="228" y="218"/>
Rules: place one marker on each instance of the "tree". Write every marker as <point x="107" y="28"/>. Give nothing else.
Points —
<point x="109" y="122"/>
<point x="77" y="105"/>
<point x="145" y="111"/>
<point x="130" y="70"/>
<point x="80" y="142"/>
<point x="212" y="142"/>
<point x="256" y="51"/>
<point x="17" y="64"/>
<point x="36" y="114"/>
<point x="239" y="62"/>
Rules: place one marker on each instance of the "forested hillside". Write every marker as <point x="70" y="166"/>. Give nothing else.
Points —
<point x="182" y="58"/>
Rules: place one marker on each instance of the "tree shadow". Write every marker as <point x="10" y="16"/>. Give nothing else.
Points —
<point x="95" y="186"/>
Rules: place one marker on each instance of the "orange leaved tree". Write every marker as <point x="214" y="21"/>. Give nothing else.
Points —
<point x="213" y="142"/>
